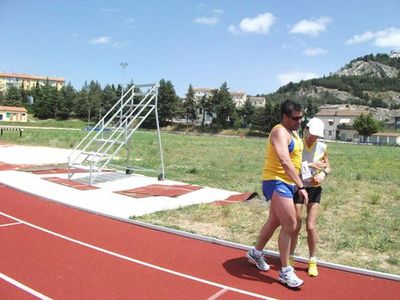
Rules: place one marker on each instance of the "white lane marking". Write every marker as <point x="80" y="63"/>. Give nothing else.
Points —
<point x="218" y="294"/>
<point x="23" y="287"/>
<point x="222" y="286"/>
<point x="10" y="224"/>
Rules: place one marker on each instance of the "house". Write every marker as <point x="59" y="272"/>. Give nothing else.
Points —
<point x="394" y="54"/>
<point x="256" y="101"/>
<point x="13" y="114"/>
<point x="384" y="138"/>
<point x="338" y="122"/>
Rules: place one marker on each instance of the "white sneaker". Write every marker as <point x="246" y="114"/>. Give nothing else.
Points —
<point x="290" y="278"/>
<point x="259" y="261"/>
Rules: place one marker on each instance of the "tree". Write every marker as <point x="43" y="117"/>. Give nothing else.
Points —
<point x="223" y="107"/>
<point x="366" y="125"/>
<point x="64" y="102"/>
<point x="81" y="106"/>
<point x="94" y="100"/>
<point x="206" y="109"/>
<point x="310" y="110"/>
<point x="167" y="102"/>
<point x="246" y="112"/>
<point x="272" y="115"/>
<point x="259" y="119"/>
<point x="45" y="102"/>
<point x="13" y="96"/>
<point x="108" y="98"/>
<point x="190" y="106"/>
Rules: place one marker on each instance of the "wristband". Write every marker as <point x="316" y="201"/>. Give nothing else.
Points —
<point x="326" y="174"/>
<point x="301" y="188"/>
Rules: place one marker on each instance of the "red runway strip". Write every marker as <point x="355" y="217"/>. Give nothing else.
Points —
<point x="67" y="270"/>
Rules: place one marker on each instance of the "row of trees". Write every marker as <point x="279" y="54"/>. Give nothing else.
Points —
<point x="92" y="101"/>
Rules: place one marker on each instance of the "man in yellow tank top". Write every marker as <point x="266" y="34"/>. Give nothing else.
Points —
<point x="281" y="179"/>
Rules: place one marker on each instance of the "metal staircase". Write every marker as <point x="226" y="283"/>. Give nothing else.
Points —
<point x="100" y="146"/>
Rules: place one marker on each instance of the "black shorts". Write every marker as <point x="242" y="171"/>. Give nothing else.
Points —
<point x="314" y="195"/>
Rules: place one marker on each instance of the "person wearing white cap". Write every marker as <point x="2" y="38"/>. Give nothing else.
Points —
<point x="315" y="167"/>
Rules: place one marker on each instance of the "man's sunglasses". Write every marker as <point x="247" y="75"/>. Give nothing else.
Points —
<point x="296" y="118"/>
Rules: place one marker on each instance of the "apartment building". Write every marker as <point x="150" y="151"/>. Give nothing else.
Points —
<point x="238" y="97"/>
<point x="28" y="81"/>
<point x="257" y="101"/>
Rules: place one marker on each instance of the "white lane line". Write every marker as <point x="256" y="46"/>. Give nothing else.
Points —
<point x="10" y="224"/>
<point x="218" y="294"/>
<point x="183" y="275"/>
<point x="23" y="287"/>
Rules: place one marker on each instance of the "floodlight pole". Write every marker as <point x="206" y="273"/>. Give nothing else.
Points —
<point x="123" y="65"/>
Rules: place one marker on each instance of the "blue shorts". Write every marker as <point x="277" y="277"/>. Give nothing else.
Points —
<point x="282" y="188"/>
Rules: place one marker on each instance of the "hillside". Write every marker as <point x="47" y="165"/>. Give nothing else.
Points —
<point x="372" y="80"/>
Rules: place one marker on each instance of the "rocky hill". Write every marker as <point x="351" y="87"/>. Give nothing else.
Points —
<point x="372" y="80"/>
<point x="368" y="68"/>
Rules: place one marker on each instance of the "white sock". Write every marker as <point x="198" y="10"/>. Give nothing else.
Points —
<point x="258" y="253"/>
<point x="313" y="258"/>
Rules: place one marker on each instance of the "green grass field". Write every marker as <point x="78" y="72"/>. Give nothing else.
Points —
<point x="359" y="218"/>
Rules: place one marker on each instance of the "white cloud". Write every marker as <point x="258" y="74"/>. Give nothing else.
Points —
<point x="387" y="38"/>
<point x="207" y="20"/>
<point x="119" y="44"/>
<point x="210" y="20"/>
<point x="361" y="38"/>
<point x="110" y="10"/>
<point x="233" y="29"/>
<point x="129" y="21"/>
<point x="100" y="40"/>
<point x="295" y="76"/>
<point x="311" y="27"/>
<point x="315" y="52"/>
<point x="260" y="24"/>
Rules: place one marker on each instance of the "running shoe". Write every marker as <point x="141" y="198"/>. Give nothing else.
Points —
<point x="259" y="261"/>
<point x="312" y="268"/>
<point x="290" y="278"/>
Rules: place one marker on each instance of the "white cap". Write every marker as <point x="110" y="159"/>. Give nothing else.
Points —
<point x="316" y="127"/>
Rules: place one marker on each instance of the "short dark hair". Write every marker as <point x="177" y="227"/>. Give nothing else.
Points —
<point x="288" y="106"/>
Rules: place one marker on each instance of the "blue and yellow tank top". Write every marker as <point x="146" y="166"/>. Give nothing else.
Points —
<point x="273" y="169"/>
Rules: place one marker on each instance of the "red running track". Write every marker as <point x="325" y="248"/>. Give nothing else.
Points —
<point x="63" y="253"/>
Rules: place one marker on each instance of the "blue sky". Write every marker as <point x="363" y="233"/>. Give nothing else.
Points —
<point x="255" y="46"/>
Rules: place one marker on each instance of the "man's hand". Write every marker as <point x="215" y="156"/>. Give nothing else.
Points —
<point x="303" y="195"/>
<point x="318" y="165"/>
<point x="318" y="178"/>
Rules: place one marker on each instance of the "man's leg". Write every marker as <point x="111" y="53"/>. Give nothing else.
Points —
<point x="267" y="230"/>
<point x="256" y="255"/>
<point x="285" y="211"/>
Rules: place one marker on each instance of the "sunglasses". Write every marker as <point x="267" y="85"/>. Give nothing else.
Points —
<point x="297" y="118"/>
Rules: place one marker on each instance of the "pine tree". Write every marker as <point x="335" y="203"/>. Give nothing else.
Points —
<point x="190" y="106"/>
<point x="223" y="107"/>
<point x="167" y="102"/>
